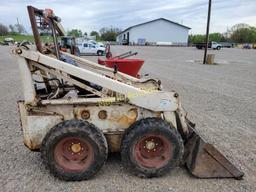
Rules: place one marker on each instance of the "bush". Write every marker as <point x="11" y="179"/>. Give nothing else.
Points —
<point x="3" y="29"/>
<point x="109" y="34"/>
<point x="244" y="35"/>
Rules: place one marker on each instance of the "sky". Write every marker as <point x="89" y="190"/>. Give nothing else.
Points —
<point x="89" y="15"/>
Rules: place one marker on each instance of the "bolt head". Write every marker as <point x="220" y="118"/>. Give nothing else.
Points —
<point x="176" y="95"/>
<point x="150" y="145"/>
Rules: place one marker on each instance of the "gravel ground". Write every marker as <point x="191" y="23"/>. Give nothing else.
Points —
<point x="220" y="99"/>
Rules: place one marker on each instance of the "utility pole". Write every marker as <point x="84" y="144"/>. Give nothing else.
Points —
<point x="18" y="25"/>
<point x="18" y="21"/>
<point x="207" y="30"/>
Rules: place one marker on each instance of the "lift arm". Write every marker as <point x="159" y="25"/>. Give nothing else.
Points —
<point x="152" y="100"/>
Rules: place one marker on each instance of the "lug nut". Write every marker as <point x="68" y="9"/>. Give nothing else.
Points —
<point x="176" y="95"/>
<point x="19" y="51"/>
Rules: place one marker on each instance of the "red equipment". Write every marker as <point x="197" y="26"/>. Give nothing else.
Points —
<point x="129" y="66"/>
<point x="120" y="63"/>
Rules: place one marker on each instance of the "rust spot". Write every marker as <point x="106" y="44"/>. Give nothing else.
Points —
<point x="85" y="114"/>
<point x="20" y="114"/>
<point x="130" y="118"/>
<point x="133" y="113"/>
<point x="29" y="144"/>
<point x="159" y="114"/>
<point x="102" y="114"/>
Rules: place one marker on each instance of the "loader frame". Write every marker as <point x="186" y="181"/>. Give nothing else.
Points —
<point x="137" y="102"/>
<point x="120" y="102"/>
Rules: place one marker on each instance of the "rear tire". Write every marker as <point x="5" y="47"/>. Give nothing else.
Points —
<point x="74" y="150"/>
<point x="151" y="147"/>
<point x="99" y="53"/>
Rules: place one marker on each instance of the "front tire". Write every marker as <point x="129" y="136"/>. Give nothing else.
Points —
<point x="151" y="147"/>
<point x="74" y="150"/>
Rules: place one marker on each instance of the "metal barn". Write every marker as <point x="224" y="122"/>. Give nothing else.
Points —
<point x="156" y="32"/>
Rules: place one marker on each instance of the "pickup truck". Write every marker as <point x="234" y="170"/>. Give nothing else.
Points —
<point x="212" y="45"/>
<point x="88" y="48"/>
<point x="99" y="44"/>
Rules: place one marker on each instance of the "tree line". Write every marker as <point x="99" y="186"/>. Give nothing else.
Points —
<point x="104" y="34"/>
<point x="241" y="35"/>
<point x="12" y="29"/>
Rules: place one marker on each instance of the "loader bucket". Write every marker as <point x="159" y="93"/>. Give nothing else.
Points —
<point x="203" y="160"/>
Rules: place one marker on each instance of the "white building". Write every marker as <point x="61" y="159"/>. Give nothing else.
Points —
<point x="158" y="31"/>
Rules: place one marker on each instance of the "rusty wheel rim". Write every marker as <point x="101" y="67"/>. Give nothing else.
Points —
<point x="73" y="154"/>
<point x="153" y="151"/>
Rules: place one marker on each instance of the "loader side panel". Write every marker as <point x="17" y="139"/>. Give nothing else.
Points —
<point x="35" y="127"/>
<point x="112" y="120"/>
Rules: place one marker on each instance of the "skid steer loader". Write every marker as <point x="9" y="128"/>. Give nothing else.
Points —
<point x="77" y="114"/>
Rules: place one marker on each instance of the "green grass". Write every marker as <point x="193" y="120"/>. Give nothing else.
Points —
<point x="30" y="38"/>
